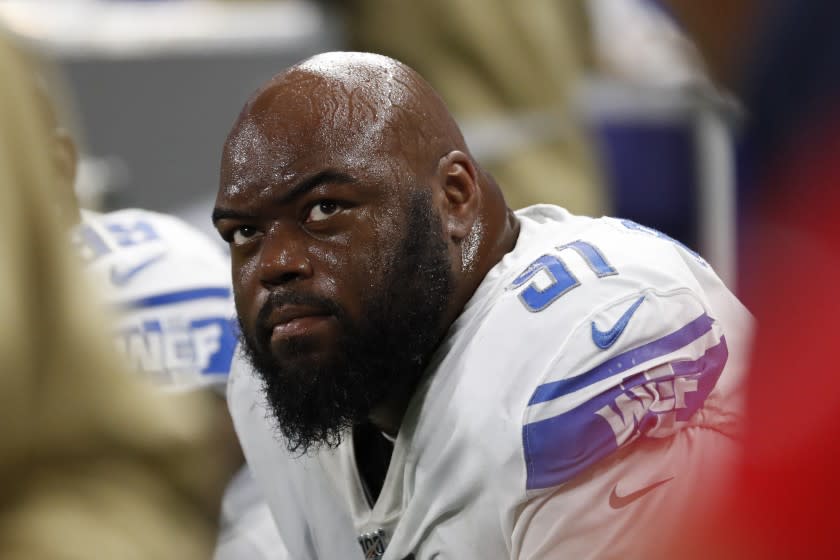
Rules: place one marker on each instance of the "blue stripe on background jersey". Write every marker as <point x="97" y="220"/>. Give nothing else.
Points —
<point x="177" y="297"/>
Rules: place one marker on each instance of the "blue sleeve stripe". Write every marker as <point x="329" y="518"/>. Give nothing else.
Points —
<point x="627" y="360"/>
<point x="177" y="297"/>
<point x="562" y="447"/>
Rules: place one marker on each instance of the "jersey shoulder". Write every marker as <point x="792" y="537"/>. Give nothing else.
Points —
<point x="131" y="229"/>
<point x="135" y="253"/>
<point x="168" y="286"/>
<point x="618" y="332"/>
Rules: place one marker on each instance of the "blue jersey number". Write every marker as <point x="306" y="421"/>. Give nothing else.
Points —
<point x="560" y="279"/>
<point x="92" y="245"/>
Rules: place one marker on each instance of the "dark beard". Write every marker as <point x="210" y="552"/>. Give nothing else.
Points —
<point x="315" y="403"/>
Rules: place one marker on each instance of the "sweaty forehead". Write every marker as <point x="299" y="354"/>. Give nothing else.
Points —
<point x="319" y="113"/>
<point x="335" y="100"/>
<point x="351" y="67"/>
<point x="348" y="111"/>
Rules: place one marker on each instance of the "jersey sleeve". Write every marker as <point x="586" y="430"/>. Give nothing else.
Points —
<point x="168" y="287"/>
<point x="631" y="502"/>
<point x="641" y="367"/>
<point x="639" y="404"/>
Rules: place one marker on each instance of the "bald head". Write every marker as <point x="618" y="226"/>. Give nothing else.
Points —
<point x="359" y="226"/>
<point x="360" y="113"/>
<point x="355" y="107"/>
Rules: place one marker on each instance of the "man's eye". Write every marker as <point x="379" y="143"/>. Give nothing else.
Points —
<point x="242" y="234"/>
<point x="323" y="210"/>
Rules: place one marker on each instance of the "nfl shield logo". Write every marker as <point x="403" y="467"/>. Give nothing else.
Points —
<point x="373" y="544"/>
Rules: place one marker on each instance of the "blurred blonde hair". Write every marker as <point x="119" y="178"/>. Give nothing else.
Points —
<point x="92" y="462"/>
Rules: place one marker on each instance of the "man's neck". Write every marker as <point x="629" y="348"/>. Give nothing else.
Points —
<point x="388" y="415"/>
<point x="373" y="458"/>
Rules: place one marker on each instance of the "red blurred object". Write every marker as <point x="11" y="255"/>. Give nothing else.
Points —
<point x="788" y="487"/>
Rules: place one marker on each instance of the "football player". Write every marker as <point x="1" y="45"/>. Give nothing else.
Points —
<point x="432" y="375"/>
<point x="168" y="289"/>
<point x="93" y="462"/>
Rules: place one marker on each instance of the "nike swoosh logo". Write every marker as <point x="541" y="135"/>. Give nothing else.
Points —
<point x="618" y="502"/>
<point x="605" y="339"/>
<point x="122" y="277"/>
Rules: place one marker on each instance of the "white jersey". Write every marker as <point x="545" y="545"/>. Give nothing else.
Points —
<point x="169" y="287"/>
<point x="247" y="528"/>
<point x="590" y="385"/>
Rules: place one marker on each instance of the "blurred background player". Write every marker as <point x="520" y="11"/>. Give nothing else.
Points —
<point x="166" y="289"/>
<point x="169" y="290"/>
<point x="92" y="462"/>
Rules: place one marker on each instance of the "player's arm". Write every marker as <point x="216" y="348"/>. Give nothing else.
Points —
<point x="618" y="440"/>
<point x="628" y="503"/>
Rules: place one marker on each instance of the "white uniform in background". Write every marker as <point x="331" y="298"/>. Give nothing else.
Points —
<point x="169" y="289"/>
<point x="587" y="391"/>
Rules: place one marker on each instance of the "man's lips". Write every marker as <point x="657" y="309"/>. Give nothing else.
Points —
<point x="294" y="320"/>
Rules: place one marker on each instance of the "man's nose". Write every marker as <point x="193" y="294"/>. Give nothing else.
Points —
<point x="283" y="259"/>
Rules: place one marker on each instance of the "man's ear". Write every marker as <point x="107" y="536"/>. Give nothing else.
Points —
<point x="461" y="196"/>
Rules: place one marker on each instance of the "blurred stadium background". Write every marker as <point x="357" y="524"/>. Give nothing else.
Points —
<point x="151" y="88"/>
<point x="603" y="106"/>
